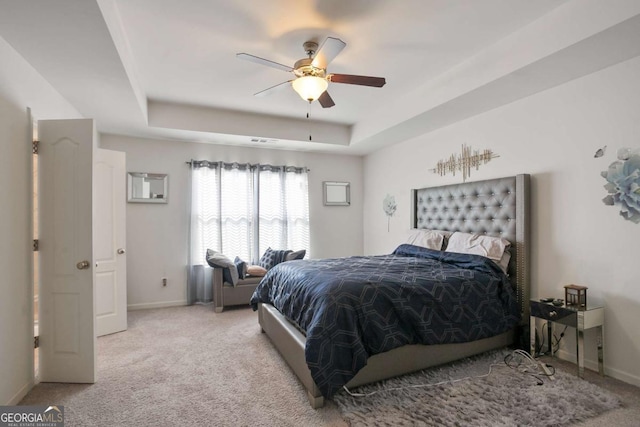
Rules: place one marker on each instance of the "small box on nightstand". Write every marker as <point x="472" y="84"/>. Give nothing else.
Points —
<point x="576" y="296"/>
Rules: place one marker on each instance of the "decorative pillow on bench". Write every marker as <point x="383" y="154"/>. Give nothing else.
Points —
<point x="273" y="257"/>
<point x="229" y="269"/>
<point x="241" y="266"/>
<point x="256" y="271"/>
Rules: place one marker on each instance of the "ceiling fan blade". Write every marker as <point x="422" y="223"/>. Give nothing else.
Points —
<point x="357" y="80"/>
<point x="329" y="50"/>
<point x="262" y="61"/>
<point x="325" y="100"/>
<point x="272" y="89"/>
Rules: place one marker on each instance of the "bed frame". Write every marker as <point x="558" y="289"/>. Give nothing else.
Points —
<point x="496" y="207"/>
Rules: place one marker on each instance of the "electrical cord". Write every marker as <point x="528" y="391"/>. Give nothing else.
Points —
<point x="519" y="360"/>
<point x="527" y="364"/>
<point x="538" y="350"/>
<point x="422" y="385"/>
<point x="557" y="344"/>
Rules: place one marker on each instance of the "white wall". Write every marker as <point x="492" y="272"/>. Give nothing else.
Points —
<point x="20" y="87"/>
<point x="553" y="136"/>
<point x="157" y="234"/>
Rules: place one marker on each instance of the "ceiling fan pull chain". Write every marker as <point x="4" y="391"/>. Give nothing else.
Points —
<point x="309" y="119"/>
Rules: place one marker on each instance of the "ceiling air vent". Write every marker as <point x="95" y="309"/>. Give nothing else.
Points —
<point x="264" y="140"/>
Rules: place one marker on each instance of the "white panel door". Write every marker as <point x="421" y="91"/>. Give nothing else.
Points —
<point x="67" y="305"/>
<point x="109" y="238"/>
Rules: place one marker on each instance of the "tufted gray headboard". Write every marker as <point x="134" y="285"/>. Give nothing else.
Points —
<point x="496" y="207"/>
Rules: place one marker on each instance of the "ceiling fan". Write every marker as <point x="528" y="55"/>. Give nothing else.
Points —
<point x="311" y="77"/>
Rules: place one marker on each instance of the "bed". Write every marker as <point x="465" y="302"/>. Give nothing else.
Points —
<point x="497" y="207"/>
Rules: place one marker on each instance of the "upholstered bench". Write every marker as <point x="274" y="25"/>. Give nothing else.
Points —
<point x="225" y="294"/>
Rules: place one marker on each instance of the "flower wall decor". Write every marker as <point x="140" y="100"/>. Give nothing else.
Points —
<point x="623" y="184"/>
<point x="389" y="206"/>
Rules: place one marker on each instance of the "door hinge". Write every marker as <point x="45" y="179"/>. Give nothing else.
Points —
<point x="35" y="146"/>
<point x="36" y="342"/>
<point x="36" y="245"/>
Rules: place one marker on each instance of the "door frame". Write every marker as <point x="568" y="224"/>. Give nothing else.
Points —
<point x="32" y="127"/>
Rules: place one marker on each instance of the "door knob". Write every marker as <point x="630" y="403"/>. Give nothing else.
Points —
<point x="83" y="265"/>
<point x="120" y="251"/>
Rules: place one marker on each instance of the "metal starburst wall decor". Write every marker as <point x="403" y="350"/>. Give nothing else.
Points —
<point x="464" y="162"/>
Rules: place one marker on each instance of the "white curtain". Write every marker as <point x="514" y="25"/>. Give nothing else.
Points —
<point x="284" y="209"/>
<point x="236" y="222"/>
<point x="240" y="210"/>
<point x="205" y="212"/>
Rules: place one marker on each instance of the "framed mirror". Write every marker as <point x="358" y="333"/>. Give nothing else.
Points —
<point x="146" y="187"/>
<point x="336" y="193"/>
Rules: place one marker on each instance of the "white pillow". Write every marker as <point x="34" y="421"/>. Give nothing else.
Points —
<point x="426" y="238"/>
<point x="478" y="244"/>
<point x="504" y="261"/>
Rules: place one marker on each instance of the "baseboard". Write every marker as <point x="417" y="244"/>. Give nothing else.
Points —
<point x="19" y="395"/>
<point x="622" y="376"/>
<point x="593" y="365"/>
<point x="148" y="305"/>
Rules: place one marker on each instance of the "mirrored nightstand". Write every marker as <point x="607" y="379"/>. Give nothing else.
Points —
<point x="580" y="319"/>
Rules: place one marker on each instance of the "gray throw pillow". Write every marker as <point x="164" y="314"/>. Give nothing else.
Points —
<point x="241" y="266"/>
<point x="229" y="269"/>
<point x="296" y="255"/>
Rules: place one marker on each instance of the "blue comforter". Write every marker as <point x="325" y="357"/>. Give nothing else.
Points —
<point x="352" y="308"/>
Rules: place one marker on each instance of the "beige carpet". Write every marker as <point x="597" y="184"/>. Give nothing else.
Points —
<point x="190" y="366"/>
<point x="187" y="366"/>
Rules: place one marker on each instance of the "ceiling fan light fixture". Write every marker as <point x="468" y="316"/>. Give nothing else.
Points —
<point x="310" y="87"/>
<point x="311" y="79"/>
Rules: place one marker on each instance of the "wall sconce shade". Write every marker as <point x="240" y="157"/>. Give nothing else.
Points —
<point x="310" y="87"/>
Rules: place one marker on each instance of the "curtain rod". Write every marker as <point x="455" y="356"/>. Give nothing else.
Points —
<point x="249" y="164"/>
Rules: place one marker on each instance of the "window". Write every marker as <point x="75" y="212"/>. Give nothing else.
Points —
<point x="283" y="220"/>
<point x="241" y="209"/>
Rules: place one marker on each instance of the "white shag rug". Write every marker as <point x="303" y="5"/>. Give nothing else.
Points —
<point x="506" y="397"/>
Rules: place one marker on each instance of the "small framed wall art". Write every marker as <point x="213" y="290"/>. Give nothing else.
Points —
<point x="336" y="193"/>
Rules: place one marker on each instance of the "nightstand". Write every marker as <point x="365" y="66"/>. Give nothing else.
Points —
<point x="580" y="319"/>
